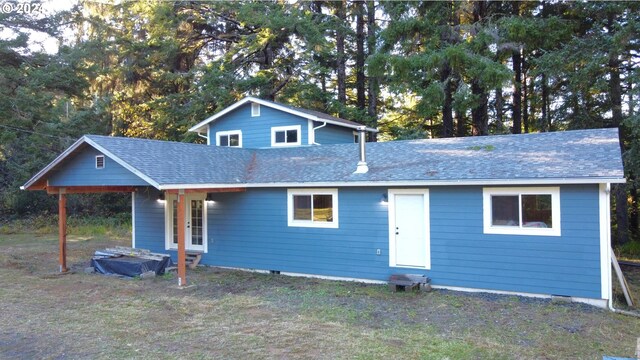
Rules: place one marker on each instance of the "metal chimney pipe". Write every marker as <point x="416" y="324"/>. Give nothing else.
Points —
<point x="362" y="164"/>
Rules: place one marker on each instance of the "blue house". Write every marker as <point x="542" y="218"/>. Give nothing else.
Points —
<point x="279" y="188"/>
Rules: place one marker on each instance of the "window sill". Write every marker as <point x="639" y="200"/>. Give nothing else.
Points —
<point x="309" y="224"/>
<point x="508" y="230"/>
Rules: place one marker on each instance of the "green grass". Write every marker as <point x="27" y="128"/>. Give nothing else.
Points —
<point x="117" y="226"/>
<point x="630" y="250"/>
<point x="241" y="315"/>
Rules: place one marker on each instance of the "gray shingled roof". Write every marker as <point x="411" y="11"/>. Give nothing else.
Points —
<point x="576" y="155"/>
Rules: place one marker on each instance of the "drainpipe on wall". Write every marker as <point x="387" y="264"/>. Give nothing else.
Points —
<point x="313" y="130"/>
<point x="204" y="137"/>
<point x="362" y="164"/>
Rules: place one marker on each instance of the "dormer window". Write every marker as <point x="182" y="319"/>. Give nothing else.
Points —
<point x="285" y="135"/>
<point x="229" y="138"/>
<point x="100" y="162"/>
<point x="255" y="109"/>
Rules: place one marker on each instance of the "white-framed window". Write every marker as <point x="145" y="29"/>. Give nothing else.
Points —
<point x="356" y="137"/>
<point x="231" y="138"/>
<point x="522" y="211"/>
<point x="255" y="109"/>
<point x="285" y="135"/>
<point x="313" y="207"/>
<point x="100" y="162"/>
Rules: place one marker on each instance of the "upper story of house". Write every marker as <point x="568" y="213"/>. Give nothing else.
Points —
<point x="256" y="123"/>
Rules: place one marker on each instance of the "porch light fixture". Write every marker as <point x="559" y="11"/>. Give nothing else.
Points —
<point x="161" y="198"/>
<point x="209" y="199"/>
<point x="384" y="199"/>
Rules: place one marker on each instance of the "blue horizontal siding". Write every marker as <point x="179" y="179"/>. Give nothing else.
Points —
<point x="332" y="134"/>
<point x="249" y="230"/>
<point x="256" y="131"/>
<point x="81" y="171"/>
<point x="149" y="214"/>
<point x="560" y="265"/>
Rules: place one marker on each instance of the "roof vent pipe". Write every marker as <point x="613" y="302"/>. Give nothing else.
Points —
<point x="362" y="164"/>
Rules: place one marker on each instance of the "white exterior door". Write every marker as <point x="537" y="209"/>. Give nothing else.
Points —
<point x="409" y="228"/>
<point x="195" y="222"/>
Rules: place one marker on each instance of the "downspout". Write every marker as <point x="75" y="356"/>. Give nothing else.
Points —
<point x="204" y="137"/>
<point x="313" y="130"/>
<point x="618" y="311"/>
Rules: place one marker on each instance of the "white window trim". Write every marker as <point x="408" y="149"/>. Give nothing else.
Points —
<point x="168" y="221"/>
<point x="104" y="162"/>
<point x="391" y="196"/>
<point x="355" y="133"/>
<point x="255" y="109"/>
<point x="227" y="133"/>
<point x="275" y="129"/>
<point x="310" y="223"/>
<point x="520" y="230"/>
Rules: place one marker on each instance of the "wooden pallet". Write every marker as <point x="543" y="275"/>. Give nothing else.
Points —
<point x="139" y="253"/>
<point x="404" y="282"/>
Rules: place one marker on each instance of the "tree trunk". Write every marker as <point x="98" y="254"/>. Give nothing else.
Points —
<point x="615" y="93"/>
<point x="340" y="55"/>
<point x="516" y="60"/>
<point x="461" y="124"/>
<point x="479" y="114"/>
<point x="499" y="109"/>
<point x="525" y="94"/>
<point x="360" y="55"/>
<point x="545" y="122"/>
<point x="634" y="219"/>
<point x="373" y="88"/>
<point x="447" y="106"/>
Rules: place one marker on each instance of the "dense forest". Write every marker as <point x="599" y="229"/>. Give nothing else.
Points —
<point x="413" y="69"/>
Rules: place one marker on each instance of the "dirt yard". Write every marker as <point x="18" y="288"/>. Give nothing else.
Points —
<point x="240" y="315"/>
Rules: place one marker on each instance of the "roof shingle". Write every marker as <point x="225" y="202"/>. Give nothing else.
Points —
<point x="582" y="154"/>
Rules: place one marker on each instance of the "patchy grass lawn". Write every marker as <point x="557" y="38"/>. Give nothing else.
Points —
<point x="239" y="315"/>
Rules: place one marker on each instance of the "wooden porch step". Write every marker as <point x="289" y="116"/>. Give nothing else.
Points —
<point x="193" y="259"/>
<point x="403" y="282"/>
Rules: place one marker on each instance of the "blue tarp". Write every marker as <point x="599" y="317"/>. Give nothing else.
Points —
<point x="129" y="266"/>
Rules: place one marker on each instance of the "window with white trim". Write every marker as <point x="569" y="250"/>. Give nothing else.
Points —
<point x="356" y="137"/>
<point x="100" y="162"/>
<point x="313" y="207"/>
<point x="285" y="135"/>
<point x="522" y="211"/>
<point x="255" y="109"/>
<point x="231" y="138"/>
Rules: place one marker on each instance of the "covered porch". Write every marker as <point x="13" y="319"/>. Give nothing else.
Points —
<point x="98" y="164"/>
<point x="183" y="219"/>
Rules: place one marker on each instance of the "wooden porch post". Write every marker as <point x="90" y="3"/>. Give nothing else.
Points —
<point x="62" y="230"/>
<point x="182" y="267"/>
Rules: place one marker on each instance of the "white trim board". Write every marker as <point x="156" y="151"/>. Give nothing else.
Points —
<point x="605" y="242"/>
<point x="405" y="183"/>
<point x="247" y="99"/>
